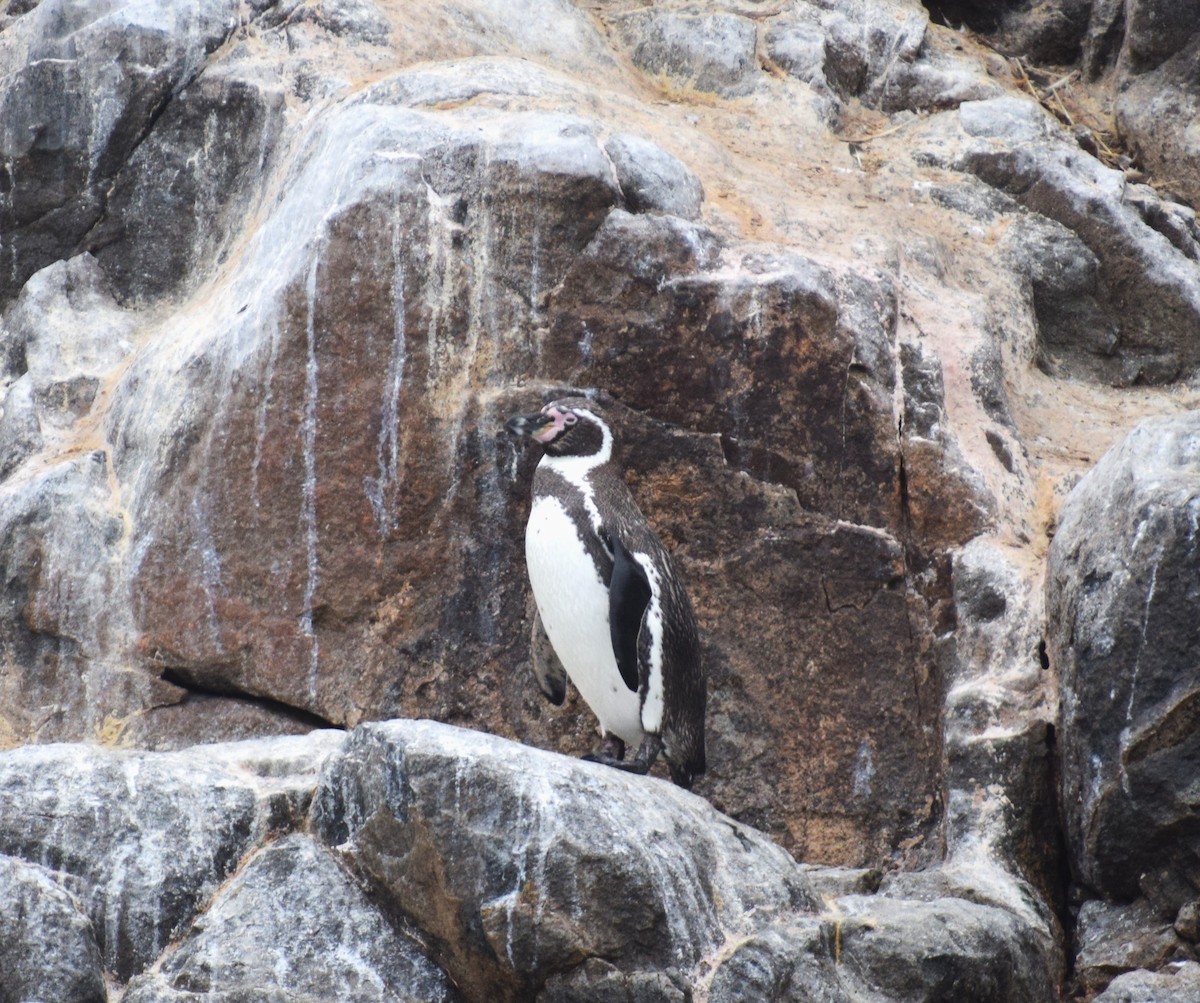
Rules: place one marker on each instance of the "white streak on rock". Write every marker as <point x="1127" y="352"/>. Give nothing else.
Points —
<point x="309" y="508"/>
<point x="383" y="490"/>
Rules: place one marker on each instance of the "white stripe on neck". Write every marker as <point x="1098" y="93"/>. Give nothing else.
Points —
<point x="576" y="469"/>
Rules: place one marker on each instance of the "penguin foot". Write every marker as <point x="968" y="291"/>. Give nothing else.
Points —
<point x="616" y="764"/>
<point x="646" y="755"/>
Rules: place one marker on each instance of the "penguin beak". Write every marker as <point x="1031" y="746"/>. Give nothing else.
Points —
<point x="527" y="425"/>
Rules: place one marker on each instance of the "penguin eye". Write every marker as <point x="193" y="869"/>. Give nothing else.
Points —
<point x="570" y="417"/>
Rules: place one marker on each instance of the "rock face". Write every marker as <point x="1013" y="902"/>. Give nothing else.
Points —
<point x="48" y="948"/>
<point x="293" y="925"/>
<point x="1122" y="578"/>
<point x="865" y="299"/>
<point x="143" y="842"/>
<point x="412" y="861"/>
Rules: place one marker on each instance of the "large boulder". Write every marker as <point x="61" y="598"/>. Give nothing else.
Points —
<point x="413" y="862"/>
<point x="75" y="108"/>
<point x="1122" y="587"/>
<point x="522" y="866"/>
<point x="306" y="469"/>
<point x="48" y="949"/>
<point x="1177" y="984"/>
<point x="538" y="877"/>
<point x="293" y="925"/>
<point x="142" y="841"/>
<point x="1127" y="306"/>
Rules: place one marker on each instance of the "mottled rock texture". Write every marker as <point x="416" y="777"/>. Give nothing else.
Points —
<point x="413" y="862"/>
<point x="294" y="925"/>
<point x="47" y="948"/>
<point x="1122" y="580"/>
<point x="864" y="310"/>
<point x="1175" y="984"/>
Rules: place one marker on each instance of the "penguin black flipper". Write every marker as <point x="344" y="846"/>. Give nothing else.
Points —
<point x="628" y="597"/>
<point x="547" y="669"/>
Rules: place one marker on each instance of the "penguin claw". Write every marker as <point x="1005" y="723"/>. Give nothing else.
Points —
<point x="629" y="766"/>
<point x="646" y="755"/>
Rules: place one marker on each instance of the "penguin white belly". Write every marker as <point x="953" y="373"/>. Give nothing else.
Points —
<point x="573" y="602"/>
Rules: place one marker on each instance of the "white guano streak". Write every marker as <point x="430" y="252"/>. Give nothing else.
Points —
<point x="309" y="505"/>
<point x="382" y="491"/>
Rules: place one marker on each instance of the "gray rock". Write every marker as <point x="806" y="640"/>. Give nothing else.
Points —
<point x="1111" y="939"/>
<point x="357" y="20"/>
<point x="20" y="433"/>
<point x="942" y="951"/>
<point x="1155" y="112"/>
<point x="880" y="53"/>
<point x="59" y="535"/>
<point x="1187" y="921"/>
<point x="653" y="180"/>
<point x="835" y="882"/>
<point x="999" y="757"/>
<point x="797" y="45"/>
<point x="70" y="333"/>
<point x="794" y="963"/>
<point x="73" y="111"/>
<point x="1047" y="33"/>
<point x="597" y="981"/>
<point x="47" y="948"/>
<point x="465" y="80"/>
<point x="1014" y="119"/>
<point x="524" y="864"/>
<point x="1122" y="581"/>
<point x="188" y="188"/>
<point x="1064" y="288"/>
<point x="710" y="52"/>
<point x="1179" y="983"/>
<point x="1157" y="29"/>
<point x="1143" y="280"/>
<point x="874" y="947"/>
<point x="863" y="47"/>
<point x="293" y="925"/>
<point x="143" y="840"/>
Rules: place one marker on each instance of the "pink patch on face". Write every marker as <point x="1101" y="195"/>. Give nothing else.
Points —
<point x="552" y="431"/>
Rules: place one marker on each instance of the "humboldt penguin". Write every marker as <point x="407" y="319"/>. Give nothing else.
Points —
<point x="612" y="614"/>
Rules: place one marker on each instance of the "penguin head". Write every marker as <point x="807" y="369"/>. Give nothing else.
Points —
<point x="572" y="426"/>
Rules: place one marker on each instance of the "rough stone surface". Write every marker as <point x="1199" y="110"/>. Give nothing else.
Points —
<point x="142" y="841"/>
<point x="865" y="298"/>
<point x="709" y="52"/>
<point x="1143" y="283"/>
<point x="61" y="147"/>
<point x="898" y="949"/>
<point x="652" y="180"/>
<point x="1177" y="984"/>
<point x="47" y="948"/>
<point x="1121" y="580"/>
<point x="448" y="865"/>
<point x="547" y="862"/>
<point x="1155" y="113"/>
<point x="882" y="54"/>
<point x="1112" y="939"/>
<point x="515" y="921"/>
<point x="293" y="925"/>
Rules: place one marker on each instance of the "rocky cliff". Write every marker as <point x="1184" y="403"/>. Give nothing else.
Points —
<point x="869" y="289"/>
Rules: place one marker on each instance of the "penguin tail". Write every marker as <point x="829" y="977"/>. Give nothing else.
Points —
<point x="684" y="773"/>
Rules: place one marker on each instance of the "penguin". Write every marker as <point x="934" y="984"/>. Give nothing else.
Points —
<point x="612" y="614"/>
